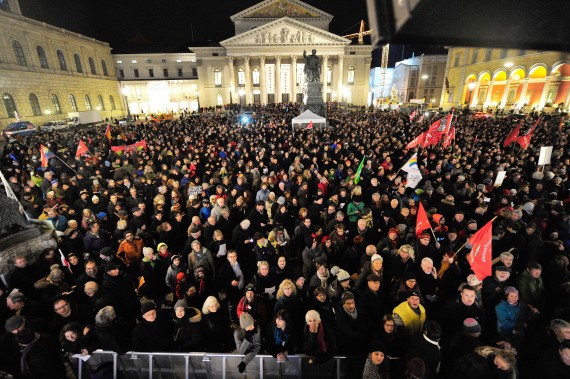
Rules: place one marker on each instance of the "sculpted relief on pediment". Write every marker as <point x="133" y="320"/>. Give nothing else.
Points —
<point x="282" y="9"/>
<point x="284" y="36"/>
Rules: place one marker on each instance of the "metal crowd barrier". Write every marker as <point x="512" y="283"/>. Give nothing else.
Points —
<point x="136" y="365"/>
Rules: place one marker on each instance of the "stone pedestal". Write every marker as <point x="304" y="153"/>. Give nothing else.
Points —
<point x="313" y="99"/>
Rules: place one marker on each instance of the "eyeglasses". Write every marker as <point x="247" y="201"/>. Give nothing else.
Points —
<point x="61" y="307"/>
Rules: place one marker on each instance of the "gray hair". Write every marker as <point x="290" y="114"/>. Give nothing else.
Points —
<point x="506" y="254"/>
<point x="105" y="316"/>
<point x="313" y="314"/>
<point x="147" y="251"/>
<point x="558" y="324"/>
<point x="210" y="300"/>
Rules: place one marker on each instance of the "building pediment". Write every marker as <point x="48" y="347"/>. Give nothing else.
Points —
<point x="269" y="9"/>
<point x="285" y="32"/>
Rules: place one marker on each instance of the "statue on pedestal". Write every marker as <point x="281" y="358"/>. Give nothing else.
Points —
<point x="312" y="68"/>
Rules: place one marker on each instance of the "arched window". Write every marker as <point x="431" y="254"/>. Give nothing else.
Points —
<point x="255" y="76"/>
<point x="101" y="103"/>
<point x="73" y="103"/>
<point x="112" y="101"/>
<point x="9" y="105"/>
<point x="104" y="67"/>
<point x="42" y="57"/>
<point x="92" y="66"/>
<point x="55" y="104"/>
<point x="19" y="53"/>
<point x="217" y="77"/>
<point x="87" y="103"/>
<point x="35" y="104"/>
<point x="350" y="78"/>
<point x="241" y="77"/>
<point x="78" y="65"/>
<point x="61" y="60"/>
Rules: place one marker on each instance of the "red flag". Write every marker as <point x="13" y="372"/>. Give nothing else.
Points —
<point x="480" y="258"/>
<point x="524" y="140"/>
<point x="416" y="141"/>
<point x="310" y="125"/>
<point x="81" y="149"/>
<point x="512" y="137"/>
<point x="448" y="137"/>
<point x="437" y="130"/>
<point x="422" y="221"/>
<point x="108" y="132"/>
<point x="413" y="114"/>
<point x="65" y="262"/>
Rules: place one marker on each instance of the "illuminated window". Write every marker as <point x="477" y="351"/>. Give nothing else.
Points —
<point x="87" y="103"/>
<point x="35" y="104"/>
<point x="255" y="76"/>
<point x="61" y="60"/>
<point x="112" y="101"/>
<point x="241" y="77"/>
<point x="42" y="57"/>
<point x="78" y="65"/>
<point x="73" y="103"/>
<point x="9" y="105"/>
<point x="217" y="77"/>
<point x="55" y="104"/>
<point x="350" y="78"/>
<point x="134" y="61"/>
<point x="220" y="100"/>
<point x="474" y="56"/>
<point x="101" y="103"/>
<point x="19" y="53"/>
<point x="119" y="62"/>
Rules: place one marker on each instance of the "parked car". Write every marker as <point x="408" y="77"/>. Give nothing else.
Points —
<point x="123" y="121"/>
<point x="71" y="121"/>
<point x="54" y="125"/>
<point x="20" y="128"/>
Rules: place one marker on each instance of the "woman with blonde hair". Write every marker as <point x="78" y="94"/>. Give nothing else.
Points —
<point x="404" y="261"/>
<point x="216" y="332"/>
<point x="287" y="298"/>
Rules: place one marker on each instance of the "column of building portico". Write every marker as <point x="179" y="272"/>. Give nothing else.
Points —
<point x="340" y="72"/>
<point x="489" y="94"/>
<point x="293" y="74"/>
<point x="232" y="81"/>
<point x="263" y="96"/>
<point x="503" y="102"/>
<point x="248" y="98"/>
<point x="522" y="98"/>
<point x="324" y="75"/>
<point x="544" y="92"/>
<point x="475" y="94"/>
<point x="277" y="79"/>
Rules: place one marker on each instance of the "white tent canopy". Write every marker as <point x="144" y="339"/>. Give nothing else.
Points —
<point x="304" y="118"/>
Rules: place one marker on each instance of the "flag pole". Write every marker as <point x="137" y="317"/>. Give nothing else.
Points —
<point x="61" y="160"/>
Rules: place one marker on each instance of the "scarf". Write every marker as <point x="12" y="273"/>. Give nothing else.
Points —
<point x="321" y="338"/>
<point x="323" y="278"/>
<point x="281" y="337"/>
<point x="201" y="286"/>
<point x="353" y="315"/>
<point x="145" y="259"/>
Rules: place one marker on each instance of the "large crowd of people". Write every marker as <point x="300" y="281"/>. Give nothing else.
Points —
<point x="232" y="235"/>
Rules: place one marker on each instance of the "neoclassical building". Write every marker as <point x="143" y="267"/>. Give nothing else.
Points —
<point x="46" y="71"/>
<point x="506" y="78"/>
<point x="263" y="62"/>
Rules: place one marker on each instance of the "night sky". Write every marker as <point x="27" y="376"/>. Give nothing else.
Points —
<point x="198" y="21"/>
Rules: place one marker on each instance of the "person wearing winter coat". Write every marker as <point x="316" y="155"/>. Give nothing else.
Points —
<point x="376" y="365"/>
<point x="247" y="339"/>
<point x="216" y="331"/>
<point x="411" y="313"/>
<point x="350" y="335"/>
<point x="75" y="338"/>
<point x="153" y="332"/>
<point x="113" y="332"/>
<point x="319" y="342"/>
<point x="40" y="356"/>
<point x="281" y="339"/>
<point x="175" y="267"/>
<point x="186" y="327"/>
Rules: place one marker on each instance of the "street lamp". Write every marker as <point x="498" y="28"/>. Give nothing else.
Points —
<point x="125" y="92"/>
<point x="48" y="113"/>
<point x="470" y="86"/>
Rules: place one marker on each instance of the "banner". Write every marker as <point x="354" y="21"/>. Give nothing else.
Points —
<point x="140" y="145"/>
<point x="545" y="155"/>
<point x="414" y="174"/>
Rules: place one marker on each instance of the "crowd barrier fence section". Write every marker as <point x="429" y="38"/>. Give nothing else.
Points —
<point x="138" y="365"/>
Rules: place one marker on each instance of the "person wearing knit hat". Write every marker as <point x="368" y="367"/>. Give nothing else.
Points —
<point x="376" y="257"/>
<point x="248" y="340"/>
<point x="471" y="327"/>
<point x="374" y="366"/>
<point x="180" y="304"/>
<point x="147" y="307"/>
<point x="508" y="312"/>
<point x="411" y="312"/>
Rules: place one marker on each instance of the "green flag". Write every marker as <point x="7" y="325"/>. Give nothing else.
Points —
<point x="359" y="170"/>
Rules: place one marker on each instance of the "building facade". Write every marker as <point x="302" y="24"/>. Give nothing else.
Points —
<point x="420" y="77"/>
<point x="46" y="72"/>
<point x="507" y="79"/>
<point x="153" y="83"/>
<point x="263" y="62"/>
